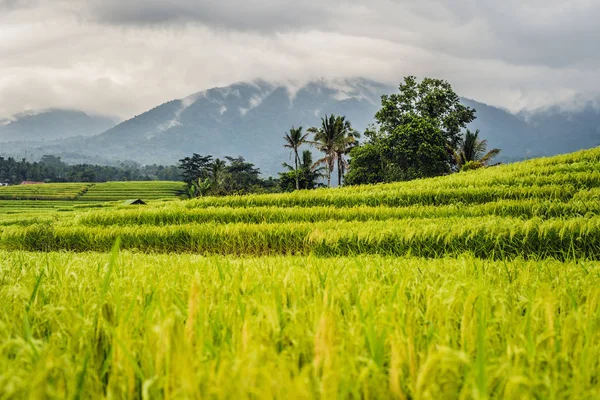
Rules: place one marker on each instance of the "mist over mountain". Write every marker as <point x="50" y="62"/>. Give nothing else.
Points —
<point x="53" y="124"/>
<point x="250" y="119"/>
<point x="565" y="130"/>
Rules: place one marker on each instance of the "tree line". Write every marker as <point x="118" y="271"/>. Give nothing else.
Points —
<point x="420" y="132"/>
<point x="206" y="175"/>
<point x="52" y="169"/>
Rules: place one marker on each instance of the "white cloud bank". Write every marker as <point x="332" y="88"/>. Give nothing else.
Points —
<point x="122" y="57"/>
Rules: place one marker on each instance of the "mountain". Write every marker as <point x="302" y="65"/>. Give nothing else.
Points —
<point x="565" y="130"/>
<point x="250" y="119"/>
<point x="51" y="125"/>
<point x="542" y="132"/>
<point x="512" y="134"/>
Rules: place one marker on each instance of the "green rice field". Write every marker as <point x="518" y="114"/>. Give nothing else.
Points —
<point x="90" y="192"/>
<point x="481" y="284"/>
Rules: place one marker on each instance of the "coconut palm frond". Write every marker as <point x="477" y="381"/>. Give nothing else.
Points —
<point x="287" y="166"/>
<point x="490" y="154"/>
<point x="473" y="150"/>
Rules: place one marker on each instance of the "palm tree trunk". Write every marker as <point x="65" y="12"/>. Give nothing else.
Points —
<point x="339" y="165"/>
<point x="330" y="168"/>
<point x="296" y="170"/>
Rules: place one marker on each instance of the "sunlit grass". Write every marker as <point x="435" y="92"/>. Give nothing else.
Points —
<point x="476" y="285"/>
<point x="163" y="326"/>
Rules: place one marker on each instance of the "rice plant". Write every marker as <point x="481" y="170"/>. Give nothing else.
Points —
<point x="483" y="284"/>
<point x="182" y="326"/>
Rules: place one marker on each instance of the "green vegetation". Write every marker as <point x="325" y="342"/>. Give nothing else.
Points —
<point x="183" y="326"/>
<point x="51" y="191"/>
<point x="293" y="140"/>
<point x="88" y="192"/>
<point x="52" y="169"/>
<point x="472" y="152"/>
<point x="111" y="191"/>
<point x="305" y="176"/>
<point x="207" y="176"/>
<point x="419" y="135"/>
<point x="335" y="137"/>
<point x="479" y="284"/>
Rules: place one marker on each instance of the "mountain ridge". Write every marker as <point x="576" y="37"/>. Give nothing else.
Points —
<point x="250" y="119"/>
<point x="53" y="124"/>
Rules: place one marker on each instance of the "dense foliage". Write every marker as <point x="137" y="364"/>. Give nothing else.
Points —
<point x="431" y="99"/>
<point x="305" y="175"/>
<point x="205" y="176"/>
<point x="415" y="149"/>
<point x="52" y="169"/>
<point x="419" y="135"/>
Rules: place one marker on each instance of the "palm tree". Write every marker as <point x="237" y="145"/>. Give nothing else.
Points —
<point x="199" y="188"/>
<point x="293" y="140"/>
<point x="308" y="164"/>
<point x="331" y="138"/>
<point x="308" y="171"/>
<point x="473" y="150"/>
<point x="347" y="139"/>
<point x="312" y="171"/>
<point x="217" y="173"/>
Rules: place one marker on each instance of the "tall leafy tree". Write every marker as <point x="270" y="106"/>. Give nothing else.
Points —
<point x="419" y="130"/>
<point x="366" y="165"/>
<point x="195" y="167"/>
<point x="431" y="98"/>
<point x="325" y="141"/>
<point x="415" y="149"/>
<point x="473" y="152"/>
<point x="241" y="176"/>
<point x="293" y="140"/>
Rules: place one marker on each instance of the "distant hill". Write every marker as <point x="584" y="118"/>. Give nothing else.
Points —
<point x="542" y="132"/>
<point x="506" y="131"/>
<point x="51" y="125"/>
<point x="250" y="119"/>
<point x="563" y="131"/>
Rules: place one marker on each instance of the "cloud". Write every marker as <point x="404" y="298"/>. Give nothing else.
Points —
<point x="552" y="32"/>
<point x="253" y="15"/>
<point x="123" y="57"/>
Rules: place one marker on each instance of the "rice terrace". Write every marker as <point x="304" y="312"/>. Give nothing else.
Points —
<point x="277" y="199"/>
<point x="480" y="284"/>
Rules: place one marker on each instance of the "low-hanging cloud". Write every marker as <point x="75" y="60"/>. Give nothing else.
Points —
<point x="122" y="57"/>
<point x="255" y="15"/>
<point x="551" y="32"/>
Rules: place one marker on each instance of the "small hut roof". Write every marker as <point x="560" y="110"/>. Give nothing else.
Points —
<point x="134" y="202"/>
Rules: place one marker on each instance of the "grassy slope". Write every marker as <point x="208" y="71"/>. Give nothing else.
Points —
<point x="540" y="208"/>
<point x="107" y="191"/>
<point x="506" y="303"/>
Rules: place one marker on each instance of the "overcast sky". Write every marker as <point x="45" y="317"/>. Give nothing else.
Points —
<point x="121" y="57"/>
